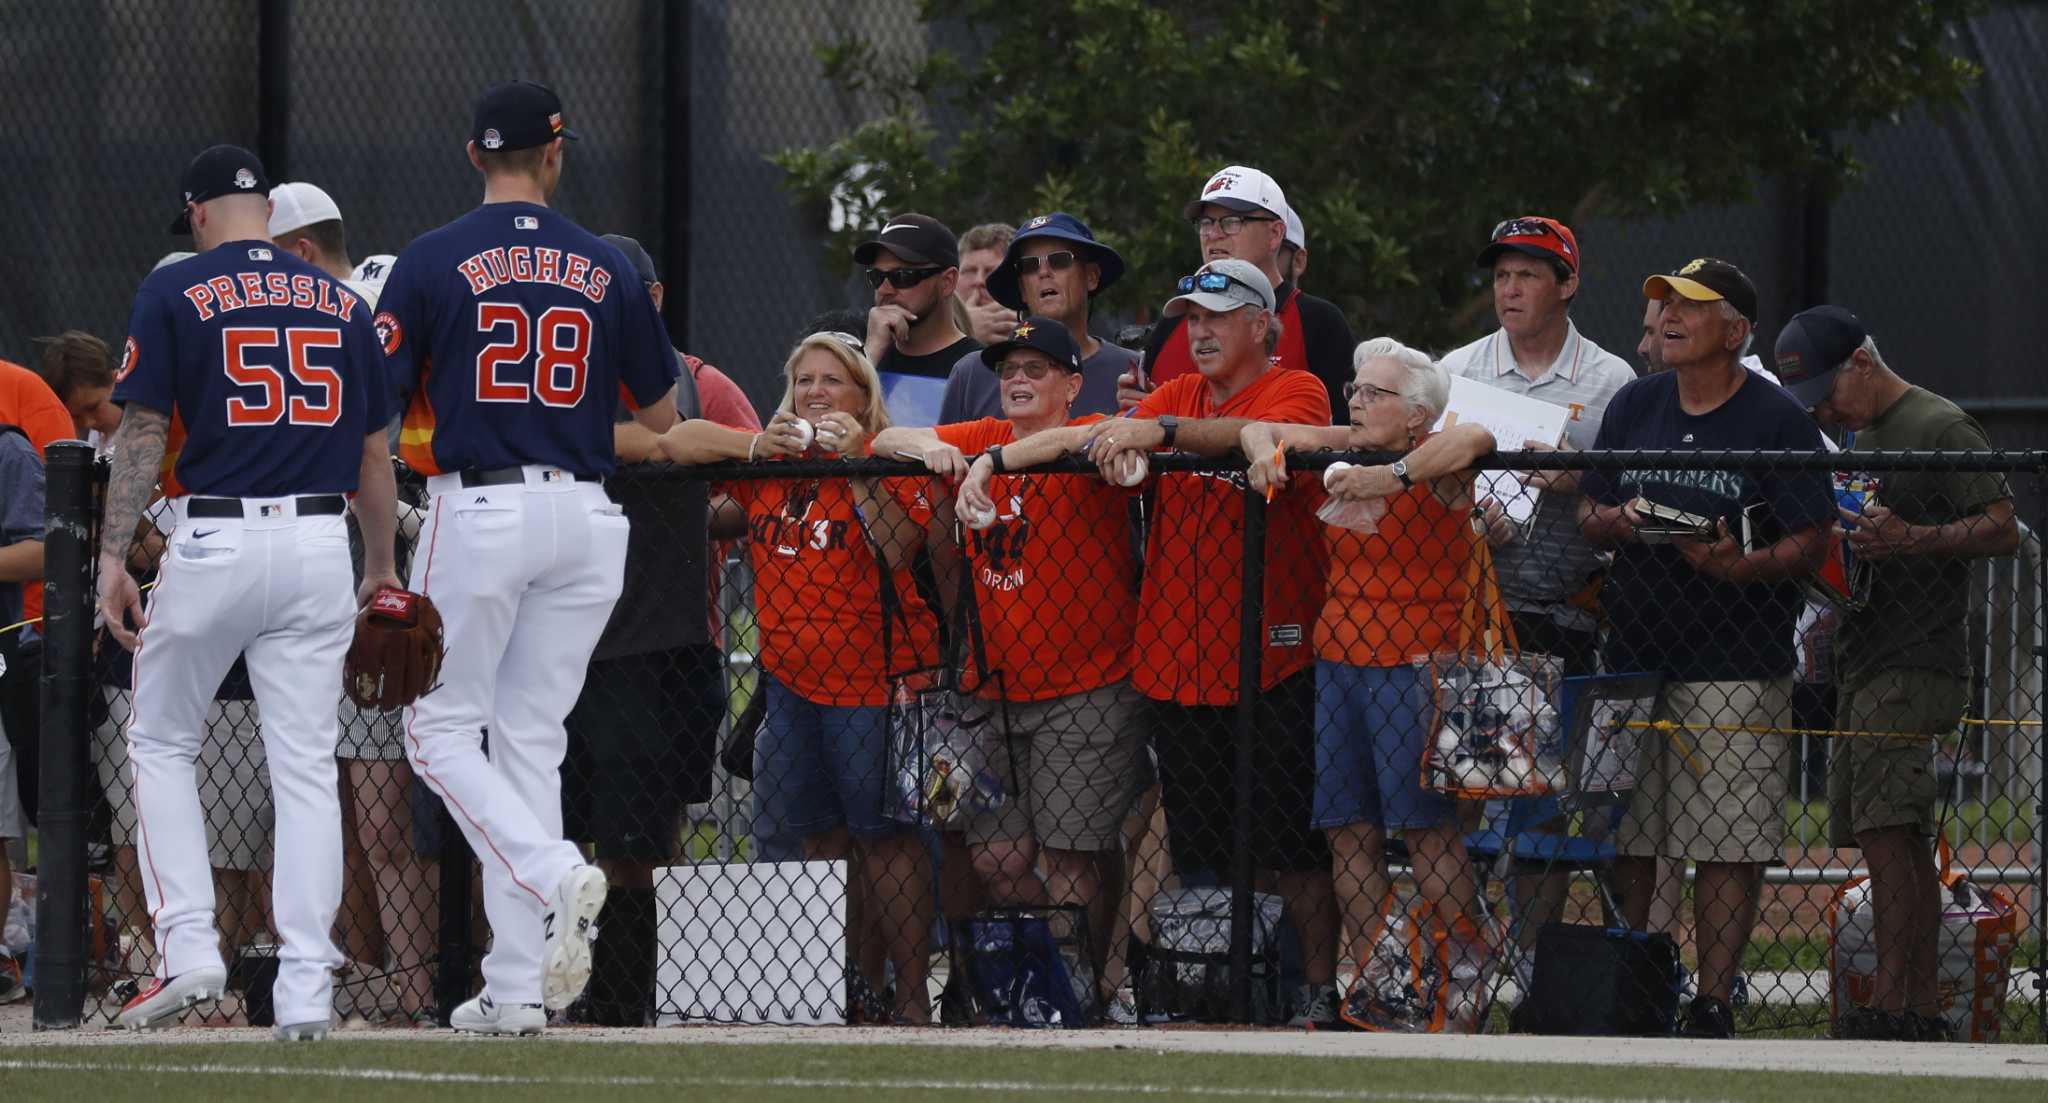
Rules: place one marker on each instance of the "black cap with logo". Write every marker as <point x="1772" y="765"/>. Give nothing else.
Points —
<point x="914" y="239"/>
<point x="221" y="170"/>
<point x="517" y="114"/>
<point x="1705" y="280"/>
<point x="1040" y="334"/>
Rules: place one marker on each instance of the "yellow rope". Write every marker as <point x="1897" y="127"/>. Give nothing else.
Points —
<point x="1673" y="727"/>
<point x="21" y="624"/>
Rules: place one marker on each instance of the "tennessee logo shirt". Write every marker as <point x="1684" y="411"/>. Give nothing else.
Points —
<point x="1055" y="581"/>
<point x="1187" y="615"/>
<point x="818" y="594"/>
<point x="518" y="334"/>
<point x="267" y="366"/>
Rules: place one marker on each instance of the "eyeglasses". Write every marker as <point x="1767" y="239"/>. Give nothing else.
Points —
<point x="901" y="279"/>
<point x="1059" y="262"/>
<point x="1371" y="392"/>
<point x="1214" y="282"/>
<point x="1230" y="224"/>
<point x="1034" y="370"/>
<point x="1523" y="227"/>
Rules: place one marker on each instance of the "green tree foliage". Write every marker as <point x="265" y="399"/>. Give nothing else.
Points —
<point x="1401" y="131"/>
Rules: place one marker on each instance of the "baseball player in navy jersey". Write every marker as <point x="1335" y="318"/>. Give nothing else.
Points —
<point x="252" y="387"/>
<point x="518" y="334"/>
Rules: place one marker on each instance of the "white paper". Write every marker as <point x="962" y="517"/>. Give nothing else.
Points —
<point x="759" y="943"/>
<point x="1511" y="418"/>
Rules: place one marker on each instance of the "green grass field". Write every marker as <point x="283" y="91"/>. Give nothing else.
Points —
<point x="556" y="1069"/>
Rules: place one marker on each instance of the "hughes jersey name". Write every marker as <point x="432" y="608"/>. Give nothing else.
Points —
<point x="244" y="290"/>
<point x="535" y="264"/>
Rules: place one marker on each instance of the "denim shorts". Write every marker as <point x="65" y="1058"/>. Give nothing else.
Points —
<point x="1372" y="723"/>
<point x="817" y="767"/>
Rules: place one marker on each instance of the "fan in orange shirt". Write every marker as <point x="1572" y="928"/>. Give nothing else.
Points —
<point x="1054" y="586"/>
<point x="828" y="641"/>
<point x="1395" y="594"/>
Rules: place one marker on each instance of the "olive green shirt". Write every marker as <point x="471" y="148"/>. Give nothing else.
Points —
<point x="1915" y="616"/>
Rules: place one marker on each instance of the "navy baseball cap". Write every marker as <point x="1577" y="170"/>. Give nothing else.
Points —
<point x="218" y="171"/>
<point x="636" y="254"/>
<point x="517" y="114"/>
<point x="913" y="239"/>
<point x="1812" y="347"/>
<point x="1061" y="226"/>
<point x="1040" y="334"/>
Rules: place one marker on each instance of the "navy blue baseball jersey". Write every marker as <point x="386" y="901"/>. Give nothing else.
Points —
<point x="518" y="334"/>
<point x="267" y="366"/>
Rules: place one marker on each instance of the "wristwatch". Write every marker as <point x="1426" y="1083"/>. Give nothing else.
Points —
<point x="995" y="457"/>
<point x="1169" y="425"/>
<point x="1400" y="470"/>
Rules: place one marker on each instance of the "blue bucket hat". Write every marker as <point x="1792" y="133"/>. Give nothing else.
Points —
<point x="1002" y="283"/>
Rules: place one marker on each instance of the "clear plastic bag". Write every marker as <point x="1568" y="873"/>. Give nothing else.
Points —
<point x="1495" y="727"/>
<point x="942" y="743"/>
<point x="1422" y="977"/>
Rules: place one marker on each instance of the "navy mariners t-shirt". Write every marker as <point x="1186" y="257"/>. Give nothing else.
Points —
<point x="1666" y="616"/>
<point x="267" y="366"/>
<point x="518" y="334"/>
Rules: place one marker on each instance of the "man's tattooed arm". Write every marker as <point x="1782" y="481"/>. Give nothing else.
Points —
<point x="138" y="447"/>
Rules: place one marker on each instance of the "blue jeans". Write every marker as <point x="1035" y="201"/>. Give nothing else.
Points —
<point x="818" y="767"/>
<point x="1372" y="723"/>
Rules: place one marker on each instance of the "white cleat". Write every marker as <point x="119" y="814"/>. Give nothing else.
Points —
<point x="570" y="924"/>
<point x="168" y="999"/>
<point x="301" y="1032"/>
<point x="482" y="1016"/>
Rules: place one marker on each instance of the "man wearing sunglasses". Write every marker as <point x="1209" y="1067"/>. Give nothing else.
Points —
<point x="1053" y="268"/>
<point x="1241" y="214"/>
<point x="913" y="265"/>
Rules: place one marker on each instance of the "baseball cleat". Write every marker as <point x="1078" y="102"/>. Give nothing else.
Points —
<point x="167" y="999"/>
<point x="571" y="926"/>
<point x="301" y="1032"/>
<point x="482" y="1016"/>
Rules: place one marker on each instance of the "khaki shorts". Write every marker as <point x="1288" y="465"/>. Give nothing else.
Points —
<point x="1706" y="793"/>
<point x="1078" y="759"/>
<point x="233" y="774"/>
<point x="1876" y="781"/>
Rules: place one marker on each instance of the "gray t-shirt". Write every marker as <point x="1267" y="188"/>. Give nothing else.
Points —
<point x="971" y="391"/>
<point x="21" y="508"/>
<point x="1550" y="561"/>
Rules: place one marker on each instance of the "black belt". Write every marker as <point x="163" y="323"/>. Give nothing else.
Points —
<point x="233" y="507"/>
<point x="503" y="476"/>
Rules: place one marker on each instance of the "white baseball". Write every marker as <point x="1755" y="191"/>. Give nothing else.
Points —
<point x="827" y="434"/>
<point x="1131" y="468"/>
<point x="804" y="434"/>
<point x="977" y="517"/>
<point x="1331" y="471"/>
<point x="1447" y="742"/>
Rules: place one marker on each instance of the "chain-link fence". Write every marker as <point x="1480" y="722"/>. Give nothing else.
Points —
<point x="1012" y="779"/>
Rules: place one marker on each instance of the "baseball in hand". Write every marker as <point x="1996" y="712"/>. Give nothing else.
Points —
<point x="804" y="434"/>
<point x="977" y="517"/>
<point x="1330" y="472"/>
<point x="827" y="434"/>
<point x="1131" y="468"/>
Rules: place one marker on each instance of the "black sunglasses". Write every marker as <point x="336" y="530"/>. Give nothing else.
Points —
<point x="1214" y="282"/>
<point x="1523" y="227"/>
<point x="902" y="279"/>
<point x="1058" y="262"/>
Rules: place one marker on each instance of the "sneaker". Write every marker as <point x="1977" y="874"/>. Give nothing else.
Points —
<point x="1708" y="1018"/>
<point x="570" y="924"/>
<point x="482" y="1016"/>
<point x="164" y="999"/>
<point x="11" y="988"/>
<point x="1866" y="1024"/>
<point x="1123" y="1008"/>
<point x="1315" y="1005"/>
<point x="1927" y="1028"/>
<point x="301" y="1032"/>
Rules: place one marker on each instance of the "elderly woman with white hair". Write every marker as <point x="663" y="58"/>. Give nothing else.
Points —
<point x="1394" y="595"/>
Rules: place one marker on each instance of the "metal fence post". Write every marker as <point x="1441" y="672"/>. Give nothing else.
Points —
<point x="1251" y="617"/>
<point x="2040" y="651"/>
<point x="60" y="951"/>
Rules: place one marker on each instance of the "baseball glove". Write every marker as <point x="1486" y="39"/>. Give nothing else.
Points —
<point x="395" y="657"/>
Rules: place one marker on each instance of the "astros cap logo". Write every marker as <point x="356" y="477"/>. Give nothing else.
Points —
<point x="1037" y="222"/>
<point x="1023" y="330"/>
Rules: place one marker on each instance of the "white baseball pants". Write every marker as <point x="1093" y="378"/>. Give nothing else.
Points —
<point x="525" y="576"/>
<point x="279" y="588"/>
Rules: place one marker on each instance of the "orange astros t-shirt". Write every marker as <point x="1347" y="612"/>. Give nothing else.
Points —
<point x="1194" y="563"/>
<point x="1055" y="577"/>
<point x="818" y="595"/>
<point x="1396" y="594"/>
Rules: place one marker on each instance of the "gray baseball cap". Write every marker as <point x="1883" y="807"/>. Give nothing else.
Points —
<point x="1222" y="285"/>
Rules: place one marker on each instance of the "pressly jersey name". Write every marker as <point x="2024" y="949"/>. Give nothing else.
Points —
<point x="268" y="368"/>
<point x="518" y="334"/>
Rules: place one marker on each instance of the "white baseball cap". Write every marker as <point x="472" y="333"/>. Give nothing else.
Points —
<point x="1296" y="236"/>
<point x="296" y="205"/>
<point x="1240" y="189"/>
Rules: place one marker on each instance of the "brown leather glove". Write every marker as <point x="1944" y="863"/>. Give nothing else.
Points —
<point x="395" y="658"/>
